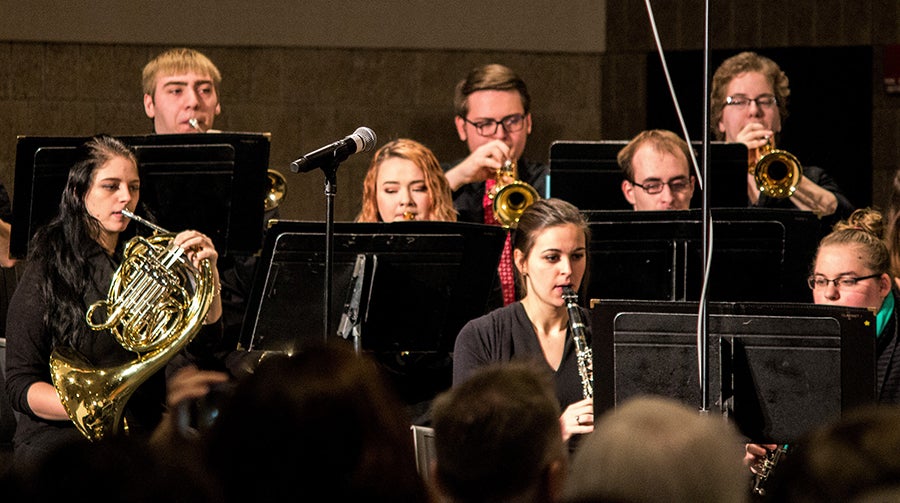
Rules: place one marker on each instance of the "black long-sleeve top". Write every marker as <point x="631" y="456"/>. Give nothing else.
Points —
<point x="507" y="334"/>
<point x="28" y="349"/>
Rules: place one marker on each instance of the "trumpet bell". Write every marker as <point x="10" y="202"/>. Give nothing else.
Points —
<point x="511" y="201"/>
<point x="777" y="174"/>
<point x="276" y="189"/>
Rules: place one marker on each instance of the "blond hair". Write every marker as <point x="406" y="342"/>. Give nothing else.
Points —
<point x="177" y="61"/>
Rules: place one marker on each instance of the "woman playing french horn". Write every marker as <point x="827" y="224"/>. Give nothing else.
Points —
<point x="71" y="263"/>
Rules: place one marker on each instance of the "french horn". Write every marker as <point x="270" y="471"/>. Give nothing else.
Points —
<point x="156" y="304"/>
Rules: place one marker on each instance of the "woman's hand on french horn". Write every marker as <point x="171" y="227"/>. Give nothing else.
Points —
<point x="197" y="246"/>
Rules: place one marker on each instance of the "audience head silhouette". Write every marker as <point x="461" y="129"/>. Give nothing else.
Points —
<point x="497" y="437"/>
<point x="655" y="449"/>
<point x="321" y="421"/>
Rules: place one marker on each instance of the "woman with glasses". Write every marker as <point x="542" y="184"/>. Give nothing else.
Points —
<point x="748" y="102"/>
<point x="853" y="268"/>
<point x="550" y="253"/>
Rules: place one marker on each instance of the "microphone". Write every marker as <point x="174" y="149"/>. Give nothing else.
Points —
<point x="362" y="140"/>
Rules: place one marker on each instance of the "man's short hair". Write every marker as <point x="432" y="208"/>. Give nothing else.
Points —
<point x="178" y="61"/>
<point x="661" y="139"/>
<point x="496" y="433"/>
<point x="492" y="77"/>
<point x="736" y="65"/>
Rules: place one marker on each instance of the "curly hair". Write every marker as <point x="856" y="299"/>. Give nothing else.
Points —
<point x="63" y="247"/>
<point x="736" y="65"/>
<point x="417" y="153"/>
<point x="864" y="228"/>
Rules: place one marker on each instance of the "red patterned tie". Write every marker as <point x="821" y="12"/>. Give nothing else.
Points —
<point x="505" y="268"/>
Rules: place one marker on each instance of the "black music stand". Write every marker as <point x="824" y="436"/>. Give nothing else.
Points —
<point x="422" y="281"/>
<point x="586" y="174"/>
<point x="777" y="370"/>
<point x="758" y="254"/>
<point x="215" y="183"/>
<point x="403" y="292"/>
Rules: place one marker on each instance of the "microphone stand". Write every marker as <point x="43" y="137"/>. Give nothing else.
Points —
<point x="330" y="171"/>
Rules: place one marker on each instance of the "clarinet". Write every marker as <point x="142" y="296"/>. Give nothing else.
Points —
<point x="584" y="354"/>
<point x="764" y="468"/>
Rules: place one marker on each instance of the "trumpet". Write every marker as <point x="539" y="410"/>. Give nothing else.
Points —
<point x="777" y="172"/>
<point x="513" y="198"/>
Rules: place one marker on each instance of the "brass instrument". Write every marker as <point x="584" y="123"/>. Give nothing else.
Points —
<point x="156" y="303"/>
<point x="276" y="189"/>
<point x="777" y="172"/>
<point x="584" y="353"/>
<point x="764" y="468"/>
<point x="511" y="199"/>
<point x="408" y="215"/>
<point x="276" y="185"/>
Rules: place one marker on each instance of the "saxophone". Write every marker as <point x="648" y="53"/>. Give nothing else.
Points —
<point x="764" y="468"/>
<point x="585" y="356"/>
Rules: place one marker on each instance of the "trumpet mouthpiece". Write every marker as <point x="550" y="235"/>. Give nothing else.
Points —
<point x="408" y="215"/>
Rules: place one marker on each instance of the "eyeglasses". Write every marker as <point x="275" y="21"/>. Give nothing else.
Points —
<point x="488" y="127"/>
<point x="816" y="282"/>
<point x="677" y="185"/>
<point x="743" y="101"/>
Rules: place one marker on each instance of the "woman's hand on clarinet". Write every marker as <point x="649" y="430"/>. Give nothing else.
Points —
<point x="756" y="453"/>
<point x="578" y="418"/>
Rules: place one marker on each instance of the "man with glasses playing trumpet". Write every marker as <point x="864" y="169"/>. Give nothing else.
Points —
<point x="493" y="117"/>
<point x="748" y="102"/>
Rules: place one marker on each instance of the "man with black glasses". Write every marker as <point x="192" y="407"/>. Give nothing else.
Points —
<point x="493" y="117"/>
<point x="748" y="103"/>
<point x="656" y="172"/>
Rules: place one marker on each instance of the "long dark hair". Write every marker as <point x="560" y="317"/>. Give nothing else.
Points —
<point x="63" y="247"/>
